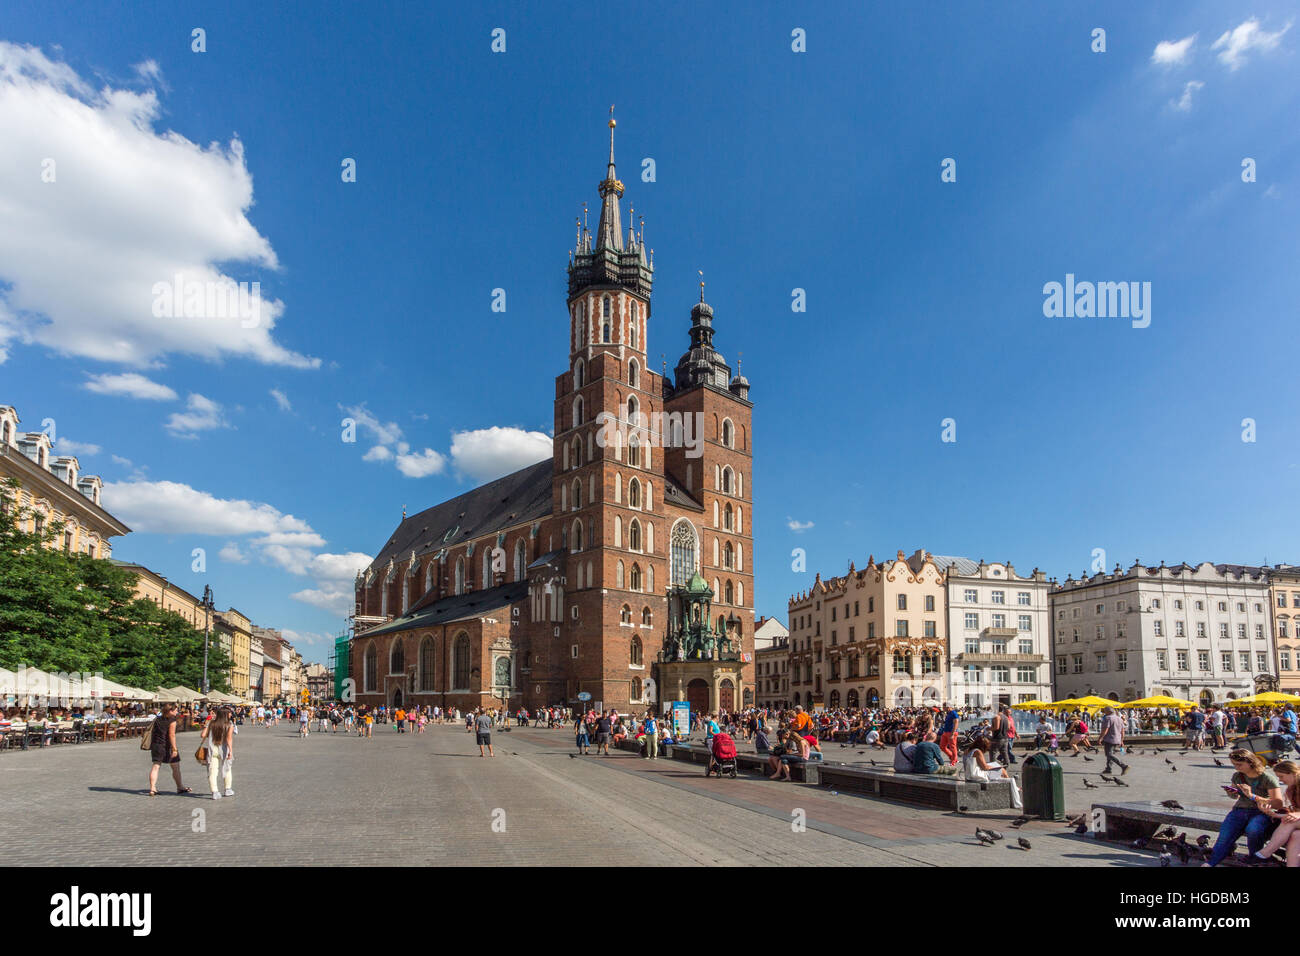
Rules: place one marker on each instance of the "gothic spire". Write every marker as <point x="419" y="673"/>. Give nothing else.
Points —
<point x="609" y="232"/>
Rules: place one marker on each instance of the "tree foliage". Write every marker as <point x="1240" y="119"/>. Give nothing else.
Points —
<point x="62" y="612"/>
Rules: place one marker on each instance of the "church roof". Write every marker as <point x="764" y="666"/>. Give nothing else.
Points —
<point x="459" y="607"/>
<point x="514" y="499"/>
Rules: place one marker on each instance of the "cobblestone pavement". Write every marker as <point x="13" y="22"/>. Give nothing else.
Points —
<point x="415" y="799"/>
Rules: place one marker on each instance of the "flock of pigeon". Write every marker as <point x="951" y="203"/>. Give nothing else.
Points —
<point x="1114" y="779"/>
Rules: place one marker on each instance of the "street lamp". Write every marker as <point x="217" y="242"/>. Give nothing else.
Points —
<point x="207" y="622"/>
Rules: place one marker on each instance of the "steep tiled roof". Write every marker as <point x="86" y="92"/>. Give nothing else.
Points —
<point x="514" y="499"/>
<point x="459" y="607"/>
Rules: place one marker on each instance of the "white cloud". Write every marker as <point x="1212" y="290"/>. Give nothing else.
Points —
<point x="1184" y="102"/>
<point x="169" y="507"/>
<point x="130" y="206"/>
<point x="66" y="446"/>
<point x="124" y="462"/>
<point x="798" y="527"/>
<point x="232" y="554"/>
<point x="340" y="567"/>
<point x="1173" y="52"/>
<point x="282" y="400"/>
<point x="488" y="453"/>
<point x="378" y="453"/>
<point x="340" y="601"/>
<point x="150" y="72"/>
<point x="305" y="637"/>
<point x="386" y="433"/>
<point x="203" y="414"/>
<point x="421" y="464"/>
<point x="130" y="384"/>
<point x="1245" y="38"/>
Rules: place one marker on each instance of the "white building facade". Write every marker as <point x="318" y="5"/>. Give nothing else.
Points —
<point x="999" y="633"/>
<point x="1199" y="633"/>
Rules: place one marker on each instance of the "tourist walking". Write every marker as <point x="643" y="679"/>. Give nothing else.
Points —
<point x="604" y="727"/>
<point x="304" y="723"/>
<point x="220" y="736"/>
<point x="1112" y="739"/>
<point x="651" y="728"/>
<point x="581" y="740"/>
<point x="948" y="734"/>
<point x="483" y="732"/>
<point x="1001" y="736"/>
<point x="162" y="747"/>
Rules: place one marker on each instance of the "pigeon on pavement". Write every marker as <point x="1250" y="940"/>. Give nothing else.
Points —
<point x="1171" y="805"/>
<point x="1024" y="844"/>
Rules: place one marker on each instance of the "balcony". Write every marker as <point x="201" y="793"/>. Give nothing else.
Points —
<point x="991" y="658"/>
<point x="1003" y="633"/>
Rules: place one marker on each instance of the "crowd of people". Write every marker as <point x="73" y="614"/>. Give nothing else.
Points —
<point x="925" y="740"/>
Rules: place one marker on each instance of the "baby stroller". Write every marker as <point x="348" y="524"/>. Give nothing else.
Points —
<point x="722" y="756"/>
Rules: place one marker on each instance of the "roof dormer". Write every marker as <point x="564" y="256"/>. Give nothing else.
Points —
<point x="8" y="426"/>
<point x="36" y="446"/>
<point x="66" y="468"/>
<point x="90" y="486"/>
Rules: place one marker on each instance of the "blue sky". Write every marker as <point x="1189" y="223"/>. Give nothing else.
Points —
<point x="775" y="170"/>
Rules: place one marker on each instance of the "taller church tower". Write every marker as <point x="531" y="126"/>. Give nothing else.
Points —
<point x="623" y="502"/>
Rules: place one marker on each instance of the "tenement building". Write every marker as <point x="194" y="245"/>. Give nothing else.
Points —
<point x="1284" y="599"/>
<point x="999" y="636"/>
<point x="772" y="673"/>
<point x="872" y="637"/>
<point x="1200" y="633"/>
<point x="572" y="576"/>
<point x="55" y="490"/>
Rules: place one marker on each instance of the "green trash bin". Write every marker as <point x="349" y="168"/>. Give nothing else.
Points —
<point x="1043" y="791"/>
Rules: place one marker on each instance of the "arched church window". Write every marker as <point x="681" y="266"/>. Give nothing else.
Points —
<point x="683" y="545"/>
<point x="634" y="494"/>
<point x="460" y="666"/>
<point x="606" y="318"/>
<point x="633" y="369"/>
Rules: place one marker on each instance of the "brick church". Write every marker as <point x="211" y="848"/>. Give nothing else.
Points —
<point x="570" y="576"/>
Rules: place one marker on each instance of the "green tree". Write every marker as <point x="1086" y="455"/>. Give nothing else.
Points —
<point x="74" y="613"/>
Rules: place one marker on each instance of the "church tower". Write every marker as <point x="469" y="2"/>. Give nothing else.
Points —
<point x="623" y="516"/>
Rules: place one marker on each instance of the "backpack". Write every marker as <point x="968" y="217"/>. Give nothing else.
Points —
<point x="146" y="741"/>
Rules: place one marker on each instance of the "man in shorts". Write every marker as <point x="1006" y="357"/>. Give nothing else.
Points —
<point x="483" y="732"/>
<point x="604" y="727"/>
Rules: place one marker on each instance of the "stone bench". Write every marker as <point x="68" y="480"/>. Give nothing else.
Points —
<point x="944" y="791"/>
<point x="756" y="763"/>
<point x="1142" y="818"/>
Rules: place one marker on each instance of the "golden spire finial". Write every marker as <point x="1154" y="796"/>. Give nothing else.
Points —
<point x="612" y="123"/>
<point x="701" y="272"/>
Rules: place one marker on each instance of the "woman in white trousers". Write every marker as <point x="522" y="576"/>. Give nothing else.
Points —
<point x="220" y="737"/>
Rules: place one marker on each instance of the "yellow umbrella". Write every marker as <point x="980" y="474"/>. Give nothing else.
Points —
<point x="1082" y="703"/>
<point x="1268" y="697"/>
<point x="1031" y="705"/>
<point x="1160" y="701"/>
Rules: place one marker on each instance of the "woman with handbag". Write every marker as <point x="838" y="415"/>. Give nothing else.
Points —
<point x="219" y="736"/>
<point x="162" y="747"/>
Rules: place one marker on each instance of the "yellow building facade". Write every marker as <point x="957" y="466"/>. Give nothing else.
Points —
<point x="235" y="632"/>
<point x="54" y="488"/>
<point x="873" y="637"/>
